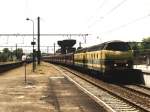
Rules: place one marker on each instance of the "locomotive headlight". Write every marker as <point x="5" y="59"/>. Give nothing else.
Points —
<point x="127" y="64"/>
<point x="115" y="65"/>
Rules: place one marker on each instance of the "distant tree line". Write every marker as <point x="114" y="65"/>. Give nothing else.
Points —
<point x="7" y="55"/>
<point x="141" y="48"/>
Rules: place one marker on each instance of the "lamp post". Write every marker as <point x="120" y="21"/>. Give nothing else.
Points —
<point x="32" y="43"/>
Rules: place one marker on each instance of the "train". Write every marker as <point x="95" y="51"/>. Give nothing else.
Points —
<point x="103" y="58"/>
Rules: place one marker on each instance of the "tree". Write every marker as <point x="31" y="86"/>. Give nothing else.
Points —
<point x="5" y="55"/>
<point x="135" y="45"/>
<point x="145" y="43"/>
<point x="141" y="46"/>
<point x="6" y="52"/>
<point x="18" y="53"/>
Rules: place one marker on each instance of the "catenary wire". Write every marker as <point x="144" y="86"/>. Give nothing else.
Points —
<point x="109" y="12"/>
<point x="126" y="24"/>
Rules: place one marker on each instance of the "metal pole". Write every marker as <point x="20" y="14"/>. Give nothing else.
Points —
<point x="33" y="48"/>
<point x="39" y="52"/>
<point x="25" y="74"/>
<point x="11" y="54"/>
<point x="54" y="48"/>
<point x="16" y="53"/>
<point x="47" y="49"/>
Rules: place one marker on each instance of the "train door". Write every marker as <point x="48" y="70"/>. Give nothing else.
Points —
<point x="83" y="60"/>
<point x="92" y="56"/>
<point x="101" y="62"/>
<point x="102" y="58"/>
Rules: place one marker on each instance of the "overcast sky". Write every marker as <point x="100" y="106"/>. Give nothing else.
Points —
<point x="127" y="20"/>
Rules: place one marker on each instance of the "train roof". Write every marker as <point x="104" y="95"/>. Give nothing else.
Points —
<point x="112" y="41"/>
<point x="97" y="47"/>
<point x="82" y="50"/>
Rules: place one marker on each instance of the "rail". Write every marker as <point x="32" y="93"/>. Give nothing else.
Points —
<point x="145" y="72"/>
<point x="9" y="66"/>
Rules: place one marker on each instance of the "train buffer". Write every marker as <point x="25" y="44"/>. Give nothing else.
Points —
<point x="46" y="90"/>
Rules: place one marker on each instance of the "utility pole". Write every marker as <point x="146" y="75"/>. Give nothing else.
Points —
<point x="54" y="48"/>
<point x="47" y="49"/>
<point x="80" y="44"/>
<point x="39" y="52"/>
<point x="11" y="54"/>
<point x="16" y="53"/>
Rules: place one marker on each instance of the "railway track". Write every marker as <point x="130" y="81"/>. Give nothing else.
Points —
<point x="138" y="98"/>
<point x="144" y="87"/>
<point x="9" y="66"/>
<point x="119" y="98"/>
<point x="139" y="90"/>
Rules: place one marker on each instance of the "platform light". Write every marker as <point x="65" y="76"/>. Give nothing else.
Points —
<point x="32" y="43"/>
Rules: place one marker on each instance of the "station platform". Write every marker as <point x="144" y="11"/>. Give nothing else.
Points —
<point x="145" y="75"/>
<point x="144" y="68"/>
<point x="46" y="90"/>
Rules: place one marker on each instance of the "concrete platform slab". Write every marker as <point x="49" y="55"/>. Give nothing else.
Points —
<point x="66" y="97"/>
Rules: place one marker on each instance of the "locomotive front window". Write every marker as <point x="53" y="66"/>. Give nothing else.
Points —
<point x="118" y="46"/>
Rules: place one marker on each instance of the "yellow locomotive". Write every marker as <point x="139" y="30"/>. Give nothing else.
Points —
<point x="105" y="57"/>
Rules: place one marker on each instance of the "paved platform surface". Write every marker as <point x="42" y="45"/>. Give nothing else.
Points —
<point x="46" y="90"/>
<point x="144" y="68"/>
<point x="67" y="97"/>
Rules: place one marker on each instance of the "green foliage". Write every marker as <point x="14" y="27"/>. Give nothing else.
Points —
<point x="7" y="55"/>
<point x="145" y="43"/>
<point x="135" y="45"/>
<point x="2" y="58"/>
<point x="140" y="46"/>
<point x="18" y="53"/>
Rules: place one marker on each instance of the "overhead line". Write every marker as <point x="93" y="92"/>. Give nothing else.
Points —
<point x="101" y="6"/>
<point x="44" y="34"/>
<point x="27" y="46"/>
<point x="109" y="12"/>
<point x="126" y="24"/>
<point x="103" y="3"/>
<point x="114" y="8"/>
